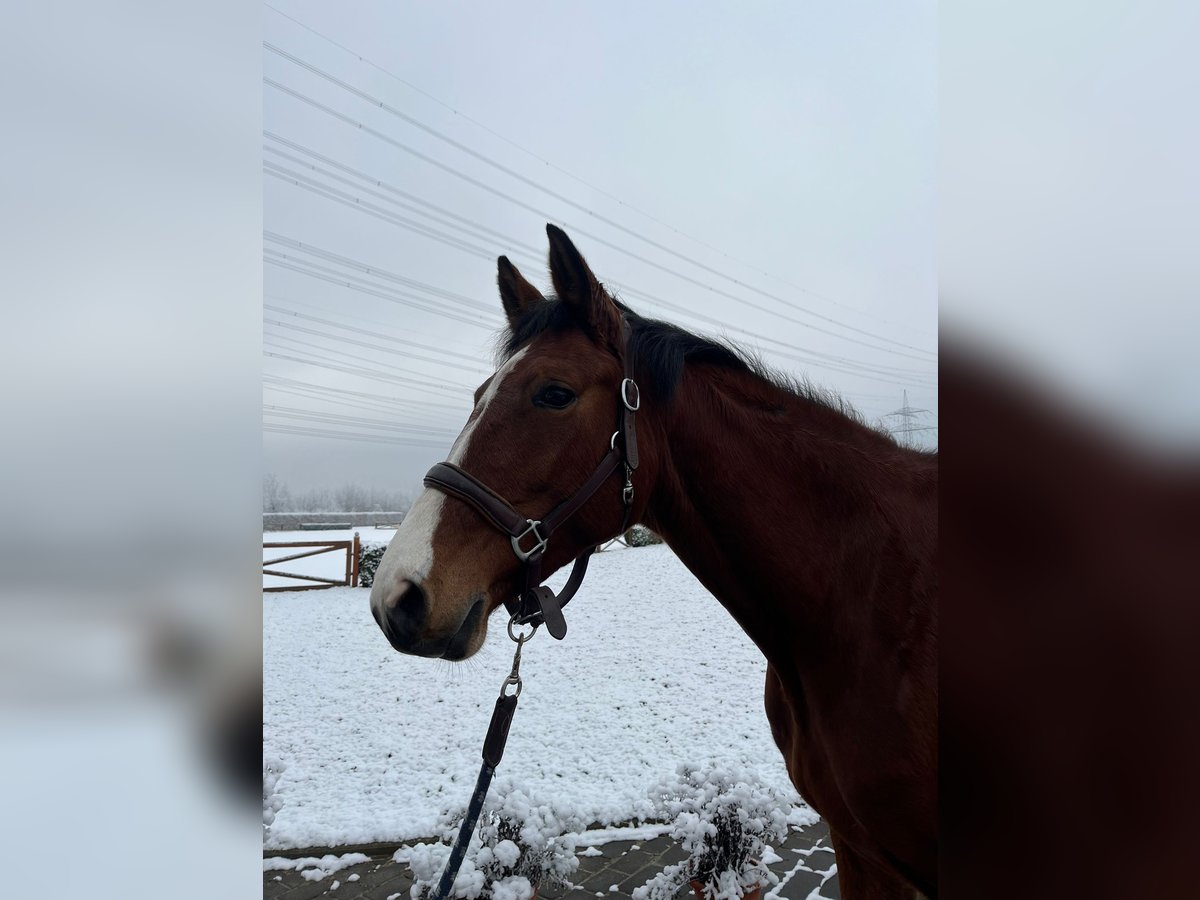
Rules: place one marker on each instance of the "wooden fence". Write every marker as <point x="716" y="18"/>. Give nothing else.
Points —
<point x="313" y="548"/>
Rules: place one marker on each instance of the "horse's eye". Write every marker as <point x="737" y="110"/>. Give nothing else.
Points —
<point x="554" y="396"/>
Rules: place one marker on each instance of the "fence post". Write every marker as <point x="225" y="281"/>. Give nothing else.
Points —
<point x="354" y="563"/>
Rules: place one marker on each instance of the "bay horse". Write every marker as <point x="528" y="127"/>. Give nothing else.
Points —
<point x="817" y="533"/>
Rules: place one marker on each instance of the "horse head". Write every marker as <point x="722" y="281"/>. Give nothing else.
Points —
<point x="540" y="426"/>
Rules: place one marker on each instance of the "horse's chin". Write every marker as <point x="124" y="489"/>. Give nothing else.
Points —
<point x="470" y="636"/>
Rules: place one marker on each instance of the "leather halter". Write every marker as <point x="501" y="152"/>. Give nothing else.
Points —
<point x="537" y="604"/>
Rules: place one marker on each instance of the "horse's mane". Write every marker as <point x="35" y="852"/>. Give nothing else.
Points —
<point x="661" y="351"/>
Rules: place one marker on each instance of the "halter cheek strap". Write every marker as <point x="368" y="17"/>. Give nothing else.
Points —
<point x="537" y="604"/>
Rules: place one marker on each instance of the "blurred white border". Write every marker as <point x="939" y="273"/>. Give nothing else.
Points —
<point x="130" y="460"/>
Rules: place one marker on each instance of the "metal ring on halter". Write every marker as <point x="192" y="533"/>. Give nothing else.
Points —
<point x="524" y="555"/>
<point x="635" y="404"/>
<point x="521" y="638"/>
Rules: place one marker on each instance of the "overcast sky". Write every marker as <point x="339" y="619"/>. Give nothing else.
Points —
<point x="781" y="156"/>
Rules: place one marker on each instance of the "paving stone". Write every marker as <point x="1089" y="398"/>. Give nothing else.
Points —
<point x="584" y="875"/>
<point x="599" y="882"/>
<point x="821" y="859"/>
<point x="627" y="882"/>
<point x="629" y="863"/>
<point x="800" y="885"/>
<point x="309" y="890"/>
<point x="618" y="849"/>
<point x="398" y="882"/>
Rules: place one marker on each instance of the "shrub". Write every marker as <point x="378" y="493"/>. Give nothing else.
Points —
<point x="369" y="556"/>
<point x="722" y="818"/>
<point x="641" y="536"/>
<point x="518" y="846"/>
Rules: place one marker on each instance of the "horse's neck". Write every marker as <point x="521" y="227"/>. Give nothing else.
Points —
<point x="779" y="505"/>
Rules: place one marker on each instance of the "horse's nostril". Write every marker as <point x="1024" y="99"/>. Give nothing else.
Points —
<point x="406" y="610"/>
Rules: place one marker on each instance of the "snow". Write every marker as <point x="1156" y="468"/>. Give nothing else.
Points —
<point x="507" y="853"/>
<point x="597" y="836"/>
<point x="272" y="771"/>
<point x="315" y="868"/>
<point x="371" y="745"/>
<point x="512" y="888"/>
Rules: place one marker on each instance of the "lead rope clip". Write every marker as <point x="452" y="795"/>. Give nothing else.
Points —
<point x="514" y="677"/>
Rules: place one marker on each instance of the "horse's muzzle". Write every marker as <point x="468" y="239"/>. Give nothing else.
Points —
<point x="402" y="615"/>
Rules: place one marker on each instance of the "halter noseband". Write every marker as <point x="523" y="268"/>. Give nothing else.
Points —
<point x="538" y="604"/>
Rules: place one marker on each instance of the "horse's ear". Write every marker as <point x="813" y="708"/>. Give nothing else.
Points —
<point x="576" y="285"/>
<point x="517" y="294"/>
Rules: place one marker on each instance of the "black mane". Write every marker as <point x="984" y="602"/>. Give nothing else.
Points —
<point x="662" y="350"/>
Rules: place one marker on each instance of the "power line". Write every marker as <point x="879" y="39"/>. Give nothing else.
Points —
<point x="351" y="403"/>
<point x="427" y="208"/>
<point x="382" y="336"/>
<point x="354" y="436"/>
<point x="276" y="380"/>
<point x="451" y="387"/>
<point x="286" y="262"/>
<point x="291" y="412"/>
<point x="810" y="357"/>
<point x="416" y="423"/>
<point x="500" y="236"/>
<point x="594" y="237"/>
<point x="381" y="398"/>
<point x="383" y="273"/>
<point x="370" y="209"/>
<point x="378" y="272"/>
<point x="582" y="181"/>
<point x="325" y="363"/>
<point x="904" y="375"/>
<point x="512" y="173"/>
<point x="353" y="202"/>
<point x="440" y="384"/>
<point x="408" y="354"/>
<point x="301" y="180"/>
<point x="342" y="314"/>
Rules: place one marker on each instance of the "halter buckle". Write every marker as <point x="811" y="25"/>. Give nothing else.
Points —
<point x="523" y="555"/>
<point x="636" y="403"/>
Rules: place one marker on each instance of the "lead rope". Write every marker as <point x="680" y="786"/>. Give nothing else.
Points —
<point x="493" y="751"/>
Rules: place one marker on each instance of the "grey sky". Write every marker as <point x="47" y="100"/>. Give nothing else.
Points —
<point x="792" y="148"/>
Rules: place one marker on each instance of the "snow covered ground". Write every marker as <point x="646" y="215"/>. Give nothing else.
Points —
<point x="376" y="745"/>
